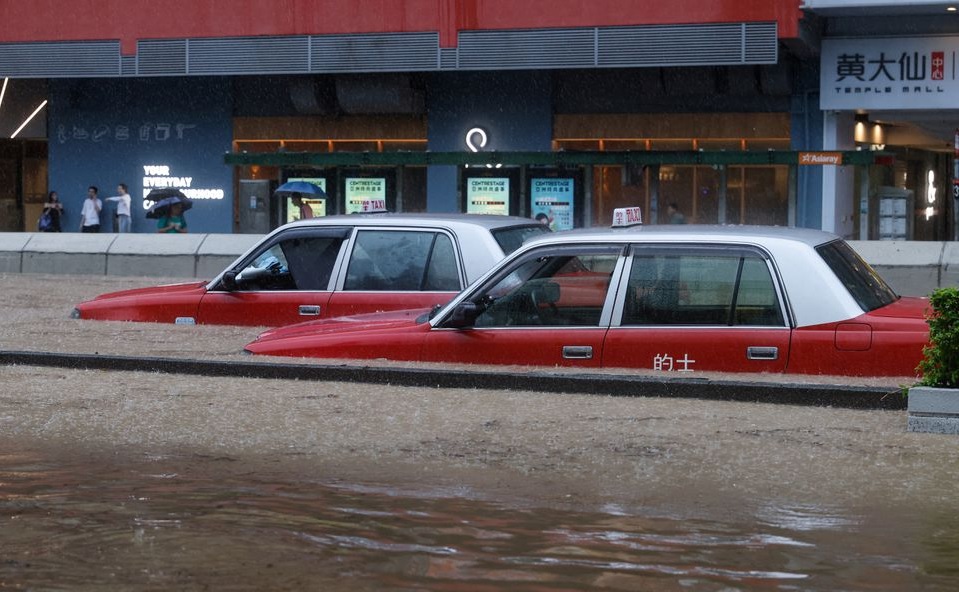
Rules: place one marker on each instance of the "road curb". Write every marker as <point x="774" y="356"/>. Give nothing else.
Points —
<point x="822" y="395"/>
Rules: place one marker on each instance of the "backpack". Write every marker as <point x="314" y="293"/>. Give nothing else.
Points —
<point x="45" y="223"/>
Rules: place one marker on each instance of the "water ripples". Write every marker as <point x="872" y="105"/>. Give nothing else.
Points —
<point x="164" y="524"/>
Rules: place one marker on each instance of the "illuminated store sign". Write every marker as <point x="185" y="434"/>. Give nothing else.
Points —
<point x="889" y="73"/>
<point x="477" y="138"/>
<point x="487" y="195"/>
<point x="551" y="202"/>
<point x="365" y="195"/>
<point x="158" y="176"/>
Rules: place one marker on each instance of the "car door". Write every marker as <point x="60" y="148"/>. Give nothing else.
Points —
<point x="397" y="269"/>
<point x="699" y="308"/>
<point x="550" y="307"/>
<point x="287" y="280"/>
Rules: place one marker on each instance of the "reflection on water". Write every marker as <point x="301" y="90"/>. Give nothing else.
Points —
<point x="160" y="524"/>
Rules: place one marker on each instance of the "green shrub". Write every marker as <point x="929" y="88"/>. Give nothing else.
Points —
<point x="940" y="363"/>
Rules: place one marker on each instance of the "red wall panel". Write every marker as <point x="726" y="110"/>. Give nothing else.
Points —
<point x="130" y="20"/>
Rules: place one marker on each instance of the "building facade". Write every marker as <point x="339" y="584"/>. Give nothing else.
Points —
<point x="582" y="107"/>
<point x="888" y="81"/>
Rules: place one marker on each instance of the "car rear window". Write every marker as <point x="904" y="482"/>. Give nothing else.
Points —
<point x="512" y="238"/>
<point x="868" y="289"/>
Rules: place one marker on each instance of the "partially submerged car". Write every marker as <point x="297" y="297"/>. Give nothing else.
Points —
<point x="329" y="267"/>
<point x="666" y="298"/>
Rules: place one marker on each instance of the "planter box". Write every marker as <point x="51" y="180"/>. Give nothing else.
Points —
<point x="933" y="410"/>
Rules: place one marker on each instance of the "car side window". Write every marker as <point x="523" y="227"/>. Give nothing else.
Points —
<point x="700" y="289"/>
<point x="403" y="261"/>
<point x="297" y="263"/>
<point x="564" y="289"/>
<point x="442" y="275"/>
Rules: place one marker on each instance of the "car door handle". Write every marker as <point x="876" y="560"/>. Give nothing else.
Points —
<point x="578" y="352"/>
<point x="762" y="353"/>
<point x="310" y="310"/>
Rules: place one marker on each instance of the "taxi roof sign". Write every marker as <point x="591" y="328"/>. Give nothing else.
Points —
<point x="373" y="206"/>
<point x="623" y="217"/>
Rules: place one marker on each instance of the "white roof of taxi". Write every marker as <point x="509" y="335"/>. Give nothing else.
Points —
<point x="806" y="280"/>
<point x="689" y="233"/>
<point x="488" y="222"/>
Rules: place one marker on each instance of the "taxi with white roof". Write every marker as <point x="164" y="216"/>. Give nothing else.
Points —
<point x="672" y="298"/>
<point x="332" y="266"/>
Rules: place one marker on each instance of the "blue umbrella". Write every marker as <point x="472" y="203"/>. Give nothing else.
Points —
<point x="302" y="187"/>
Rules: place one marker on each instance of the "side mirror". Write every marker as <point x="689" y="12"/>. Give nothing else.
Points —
<point x="464" y="315"/>
<point x="229" y="281"/>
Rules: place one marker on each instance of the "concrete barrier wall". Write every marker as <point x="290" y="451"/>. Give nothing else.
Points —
<point x="912" y="268"/>
<point x="167" y="255"/>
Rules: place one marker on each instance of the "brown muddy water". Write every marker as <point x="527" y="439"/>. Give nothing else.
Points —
<point x="142" y="481"/>
<point x="159" y="523"/>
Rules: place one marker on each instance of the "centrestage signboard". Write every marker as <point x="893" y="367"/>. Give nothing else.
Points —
<point x="552" y="202"/>
<point x="365" y="195"/>
<point x="487" y="195"/>
<point x="889" y="73"/>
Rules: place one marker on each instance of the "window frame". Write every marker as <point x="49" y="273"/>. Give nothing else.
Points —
<point x="341" y="232"/>
<point x="730" y="250"/>
<point x="347" y="256"/>
<point x="612" y="290"/>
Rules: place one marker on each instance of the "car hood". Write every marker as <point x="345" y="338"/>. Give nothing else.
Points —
<point x="907" y="307"/>
<point x="154" y="290"/>
<point x="361" y="322"/>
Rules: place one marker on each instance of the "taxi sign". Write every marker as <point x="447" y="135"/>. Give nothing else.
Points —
<point x="373" y="206"/>
<point x="623" y="217"/>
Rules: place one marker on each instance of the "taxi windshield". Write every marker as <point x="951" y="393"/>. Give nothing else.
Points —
<point x="868" y="289"/>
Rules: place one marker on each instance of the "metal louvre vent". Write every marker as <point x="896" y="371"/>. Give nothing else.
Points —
<point x="448" y="58"/>
<point x="514" y="49"/>
<point x="248" y="55"/>
<point x="375" y="53"/>
<point x="60" y="60"/>
<point x="128" y="66"/>
<point x="671" y="45"/>
<point x="161" y="58"/>
<point x="761" y="43"/>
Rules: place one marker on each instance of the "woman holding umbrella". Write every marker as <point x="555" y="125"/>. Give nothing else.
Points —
<point x="168" y="207"/>
<point x="173" y="222"/>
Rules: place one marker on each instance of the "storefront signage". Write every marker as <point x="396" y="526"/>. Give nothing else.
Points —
<point x="889" y="73"/>
<point x="487" y="195"/>
<point x="476" y="138"/>
<point x="365" y="195"/>
<point x="316" y="203"/>
<point x="820" y="158"/>
<point x="160" y="176"/>
<point x="551" y="202"/>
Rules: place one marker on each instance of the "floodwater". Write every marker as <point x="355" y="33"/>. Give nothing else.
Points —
<point x="155" y="523"/>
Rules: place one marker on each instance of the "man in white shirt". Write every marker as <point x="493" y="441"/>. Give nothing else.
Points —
<point x="123" y="208"/>
<point x="90" y="215"/>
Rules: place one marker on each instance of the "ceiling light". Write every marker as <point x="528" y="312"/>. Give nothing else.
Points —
<point x="28" y="119"/>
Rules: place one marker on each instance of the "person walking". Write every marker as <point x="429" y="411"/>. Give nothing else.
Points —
<point x="90" y="214"/>
<point x="674" y="214"/>
<point x="306" y="212"/>
<point x="123" y="199"/>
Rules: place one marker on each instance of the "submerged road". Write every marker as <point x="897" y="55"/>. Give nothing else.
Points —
<point x="69" y="391"/>
<point x="109" y="403"/>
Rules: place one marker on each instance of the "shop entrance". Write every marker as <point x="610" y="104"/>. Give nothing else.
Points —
<point x="707" y="187"/>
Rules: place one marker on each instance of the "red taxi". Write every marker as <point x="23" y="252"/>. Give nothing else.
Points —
<point x="678" y="299"/>
<point x="329" y="267"/>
